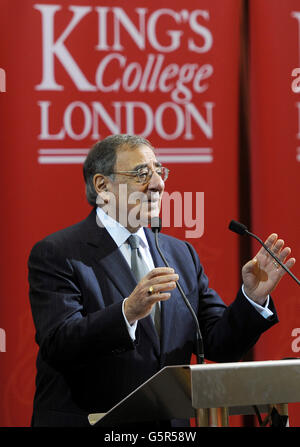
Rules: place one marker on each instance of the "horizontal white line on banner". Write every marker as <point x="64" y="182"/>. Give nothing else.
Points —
<point x="185" y="158"/>
<point x="185" y="150"/>
<point x="61" y="160"/>
<point x="174" y="150"/>
<point x="58" y="151"/>
<point x="165" y="155"/>
<point x="77" y="159"/>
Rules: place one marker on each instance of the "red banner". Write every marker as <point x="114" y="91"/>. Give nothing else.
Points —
<point x="275" y="134"/>
<point x="77" y="71"/>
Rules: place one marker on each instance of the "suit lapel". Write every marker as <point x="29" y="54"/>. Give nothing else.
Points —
<point x="106" y="256"/>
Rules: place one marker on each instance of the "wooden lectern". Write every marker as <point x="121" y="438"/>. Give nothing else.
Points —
<point x="209" y="392"/>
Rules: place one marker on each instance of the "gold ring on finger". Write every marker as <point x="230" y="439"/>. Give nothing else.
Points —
<point x="150" y="290"/>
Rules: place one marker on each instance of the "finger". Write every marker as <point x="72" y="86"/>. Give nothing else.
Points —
<point x="159" y="271"/>
<point x="161" y="279"/>
<point x="159" y="297"/>
<point x="290" y="263"/>
<point x="285" y="252"/>
<point x="277" y="247"/>
<point x="157" y="288"/>
<point x="269" y="243"/>
<point x="271" y="240"/>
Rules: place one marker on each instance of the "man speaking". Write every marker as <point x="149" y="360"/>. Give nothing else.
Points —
<point x="107" y="311"/>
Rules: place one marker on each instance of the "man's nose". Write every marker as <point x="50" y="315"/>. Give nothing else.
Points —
<point x="156" y="183"/>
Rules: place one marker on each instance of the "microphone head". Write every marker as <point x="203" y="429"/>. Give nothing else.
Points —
<point x="237" y="227"/>
<point x="156" y="224"/>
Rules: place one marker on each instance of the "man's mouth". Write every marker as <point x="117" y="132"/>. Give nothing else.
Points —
<point x="152" y="203"/>
<point x="153" y="199"/>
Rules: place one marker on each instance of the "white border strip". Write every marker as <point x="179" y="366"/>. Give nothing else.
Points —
<point x="61" y="160"/>
<point x="183" y="150"/>
<point x="185" y="158"/>
<point x="63" y="151"/>
<point x="165" y="155"/>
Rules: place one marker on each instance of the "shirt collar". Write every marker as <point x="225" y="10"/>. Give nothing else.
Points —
<point x="119" y="233"/>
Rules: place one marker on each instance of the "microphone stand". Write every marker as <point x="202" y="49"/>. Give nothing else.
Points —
<point x="199" y="340"/>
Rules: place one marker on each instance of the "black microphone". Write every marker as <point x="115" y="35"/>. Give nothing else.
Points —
<point x="241" y="229"/>
<point x="156" y="227"/>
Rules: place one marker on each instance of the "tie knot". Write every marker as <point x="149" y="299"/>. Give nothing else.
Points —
<point x="134" y="241"/>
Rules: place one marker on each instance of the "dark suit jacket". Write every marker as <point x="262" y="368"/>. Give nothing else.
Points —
<point x="87" y="361"/>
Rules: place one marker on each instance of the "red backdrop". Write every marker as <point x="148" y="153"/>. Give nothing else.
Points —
<point x="275" y="180"/>
<point x="78" y="71"/>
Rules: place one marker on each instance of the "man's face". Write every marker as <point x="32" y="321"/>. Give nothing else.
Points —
<point x="135" y="202"/>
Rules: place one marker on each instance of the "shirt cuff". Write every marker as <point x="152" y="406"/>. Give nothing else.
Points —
<point x="263" y="310"/>
<point x="131" y="328"/>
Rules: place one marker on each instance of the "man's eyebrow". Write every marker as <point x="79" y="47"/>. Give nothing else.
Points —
<point x="145" y="165"/>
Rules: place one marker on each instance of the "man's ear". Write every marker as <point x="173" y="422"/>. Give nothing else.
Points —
<point x="100" y="184"/>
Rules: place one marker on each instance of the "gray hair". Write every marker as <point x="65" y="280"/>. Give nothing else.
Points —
<point x="102" y="159"/>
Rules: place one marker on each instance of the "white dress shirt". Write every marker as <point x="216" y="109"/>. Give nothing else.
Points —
<point x="120" y="235"/>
